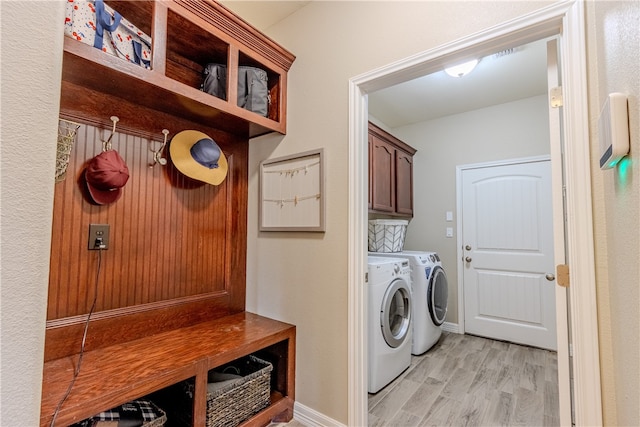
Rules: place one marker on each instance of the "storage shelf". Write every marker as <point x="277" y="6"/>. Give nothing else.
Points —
<point x="186" y="37"/>
<point x="97" y="71"/>
<point x="113" y="375"/>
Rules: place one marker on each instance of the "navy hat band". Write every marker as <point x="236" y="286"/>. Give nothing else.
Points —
<point x="206" y="152"/>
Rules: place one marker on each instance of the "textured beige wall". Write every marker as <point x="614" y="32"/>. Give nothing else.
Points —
<point x="31" y="63"/>
<point x="613" y="54"/>
<point x="302" y="277"/>
<point x="506" y="131"/>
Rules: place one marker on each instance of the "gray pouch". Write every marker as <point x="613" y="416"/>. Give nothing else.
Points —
<point x="253" y="86"/>
<point x="215" y="80"/>
<point x="253" y="90"/>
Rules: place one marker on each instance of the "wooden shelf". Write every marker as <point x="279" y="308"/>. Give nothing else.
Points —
<point x="84" y="97"/>
<point x="172" y="85"/>
<point x="113" y="375"/>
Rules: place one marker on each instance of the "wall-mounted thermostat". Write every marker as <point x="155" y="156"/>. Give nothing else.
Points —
<point x="613" y="127"/>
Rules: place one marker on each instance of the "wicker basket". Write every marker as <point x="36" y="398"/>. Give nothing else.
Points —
<point x="66" y="138"/>
<point x="230" y="405"/>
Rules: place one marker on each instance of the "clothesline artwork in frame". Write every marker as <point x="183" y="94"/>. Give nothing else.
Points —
<point x="292" y="193"/>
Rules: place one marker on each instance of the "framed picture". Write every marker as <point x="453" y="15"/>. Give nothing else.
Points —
<point x="292" y="193"/>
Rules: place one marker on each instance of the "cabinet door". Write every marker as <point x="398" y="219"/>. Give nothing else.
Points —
<point x="404" y="183"/>
<point x="383" y="173"/>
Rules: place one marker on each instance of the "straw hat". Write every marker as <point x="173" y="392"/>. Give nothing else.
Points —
<point x="198" y="156"/>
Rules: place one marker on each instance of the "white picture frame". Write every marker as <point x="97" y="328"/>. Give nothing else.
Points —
<point x="292" y="193"/>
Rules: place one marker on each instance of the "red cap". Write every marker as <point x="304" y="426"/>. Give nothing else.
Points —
<point x="105" y="175"/>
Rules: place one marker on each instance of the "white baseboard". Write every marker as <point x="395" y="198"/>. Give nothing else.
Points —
<point x="312" y="418"/>
<point x="451" y="327"/>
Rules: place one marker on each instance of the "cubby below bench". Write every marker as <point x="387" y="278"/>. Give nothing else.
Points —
<point x="113" y="375"/>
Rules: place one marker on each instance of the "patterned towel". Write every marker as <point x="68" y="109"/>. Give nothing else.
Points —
<point x="132" y="414"/>
<point x="126" y="41"/>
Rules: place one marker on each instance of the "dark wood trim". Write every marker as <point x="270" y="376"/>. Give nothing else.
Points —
<point x="63" y="337"/>
<point x="239" y="30"/>
<point x="132" y="310"/>
<point x="382" y="134"/>
<point x="159" y="38"/>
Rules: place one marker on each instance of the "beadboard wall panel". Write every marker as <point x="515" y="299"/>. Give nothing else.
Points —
<point x="177" y="247"/>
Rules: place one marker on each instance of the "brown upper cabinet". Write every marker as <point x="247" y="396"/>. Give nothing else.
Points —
<point x="186" y="36"/>
<point x="390" y="174"/>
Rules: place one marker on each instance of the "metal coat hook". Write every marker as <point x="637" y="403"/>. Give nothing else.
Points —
<point x="106" y="145"/>
<point x="157" y="154"/>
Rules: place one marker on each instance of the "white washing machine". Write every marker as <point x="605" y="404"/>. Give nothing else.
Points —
<point x="389" y="320"/>
<point x="430" y="292"/>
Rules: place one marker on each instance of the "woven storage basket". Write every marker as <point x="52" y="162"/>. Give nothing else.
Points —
<point x="66" y="138"/>
<point x="386" y="235"/>
<point x="234" y="403"/>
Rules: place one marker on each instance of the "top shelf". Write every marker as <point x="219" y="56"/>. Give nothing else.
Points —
<point x="186" y="35"/>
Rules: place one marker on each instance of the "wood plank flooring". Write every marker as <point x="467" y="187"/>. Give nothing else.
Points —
<point x="471" y="381"/>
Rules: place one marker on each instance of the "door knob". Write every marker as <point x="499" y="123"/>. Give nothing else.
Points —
<point x="468" y="259"/>
<point x="550" y="277"/>
<point x="468" y="247"/>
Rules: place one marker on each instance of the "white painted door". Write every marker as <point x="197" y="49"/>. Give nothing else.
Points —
<point x="507" y="237"/>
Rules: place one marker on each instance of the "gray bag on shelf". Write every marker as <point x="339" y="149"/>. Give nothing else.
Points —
<point x="253" y="86"/>
<point x="215" y="80"/>
<point x="253" y="90"/>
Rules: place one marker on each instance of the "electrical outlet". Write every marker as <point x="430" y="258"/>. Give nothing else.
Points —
<point x="98" y="236"/>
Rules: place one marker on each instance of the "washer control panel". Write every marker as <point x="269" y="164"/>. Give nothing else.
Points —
<point x="403" y="267"/>
<point x="392" y="267"/>
<point x="431" y="257"/>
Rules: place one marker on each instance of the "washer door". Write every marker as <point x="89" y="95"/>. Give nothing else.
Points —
<point x="395" y="313"/>
<point x="437" y="295"/>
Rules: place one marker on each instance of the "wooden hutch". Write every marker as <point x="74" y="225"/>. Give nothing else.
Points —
<point x="170" y="288"/>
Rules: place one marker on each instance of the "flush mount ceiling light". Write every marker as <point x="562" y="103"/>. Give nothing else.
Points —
<point x="461" y="69"/>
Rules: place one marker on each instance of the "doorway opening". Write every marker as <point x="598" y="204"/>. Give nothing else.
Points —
<point x="565" y="20"/>
<point x="500" y="290"/>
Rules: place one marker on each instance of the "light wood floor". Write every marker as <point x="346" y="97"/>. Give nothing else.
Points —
<point x="471" y="381"/>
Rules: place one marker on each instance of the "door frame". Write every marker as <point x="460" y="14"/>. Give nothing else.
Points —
<point x="563" y="19"/>
<point x="460" y="238"/>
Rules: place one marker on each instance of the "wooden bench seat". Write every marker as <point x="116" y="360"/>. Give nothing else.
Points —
<point x="122" y="372"/>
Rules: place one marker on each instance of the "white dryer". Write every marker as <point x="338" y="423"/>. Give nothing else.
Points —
<point x="430" y="292"/>
<point x="389" y="320"/>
